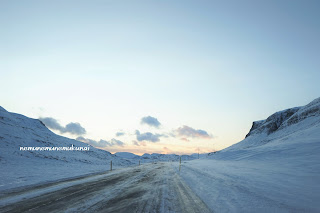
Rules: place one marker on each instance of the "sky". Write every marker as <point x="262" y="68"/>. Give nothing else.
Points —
<point x="157" y="76"/>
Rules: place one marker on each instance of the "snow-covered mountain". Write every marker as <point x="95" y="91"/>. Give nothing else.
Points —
<point x="32" y="166"/>
<point x="154" y="157"/>
<point x="293" y="132"/>
<point x="276" y="168"/>
<point x="126" y="155"/>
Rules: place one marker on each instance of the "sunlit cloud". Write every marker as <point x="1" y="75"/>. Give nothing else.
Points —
<point x="189" y="132"/>
<point x="72" y="128"/>
<point x="136" y="143"/>
<point x="139" y="143"/>
<point x="185" y="139"/>
<point x="166" y="150"/>
<point x="101" y="143"/>
<point x="151" y="121"/>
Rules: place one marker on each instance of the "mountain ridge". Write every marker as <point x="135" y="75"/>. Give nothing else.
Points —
<point x="33" y="166"/>
<point x="297" y="129"/>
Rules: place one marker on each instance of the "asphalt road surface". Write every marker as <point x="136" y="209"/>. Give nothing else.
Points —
<point x="145" y="188"/>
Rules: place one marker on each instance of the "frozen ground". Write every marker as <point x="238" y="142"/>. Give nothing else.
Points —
<point x="276" y="168"/>
<point x="249" y="186"/>
<point x="22" y="168"/>
<point x="145" y="188"/>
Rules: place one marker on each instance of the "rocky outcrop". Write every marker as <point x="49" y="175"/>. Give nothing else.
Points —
<point x="312" y="109"/>
<point x="285" y="118"/>
<point x="272" y="123"/>
<point x="279" y="130"/>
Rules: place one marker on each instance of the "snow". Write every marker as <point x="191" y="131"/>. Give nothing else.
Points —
<point x="57" y="185"/>
<point x="146" y="188"/>
<point x="276" y="168"/>
<point x="25" y="168"/>
<point x="21" y="168"/>
<point x="266" y="172"/>
<point x="127" y="155"/>
<point x="250" y="186"/>
<point x="155" y="157"/>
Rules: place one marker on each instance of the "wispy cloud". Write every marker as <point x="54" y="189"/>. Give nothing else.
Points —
<point x="184" y="139"/>
<point x="189" y="132"/>
<point x="136" y="143"/>
<point x="148" y="136"/>
<point x="101" y="143"/>
<point x="151" y="121"/>
<point x="166" y="150"/>
<point x="72" y="128"/>
<point x="139" y="143"/>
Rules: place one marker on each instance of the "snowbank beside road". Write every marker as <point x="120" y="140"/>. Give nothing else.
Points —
<point x="250" y="186"/>
<point x="276" y="168"/>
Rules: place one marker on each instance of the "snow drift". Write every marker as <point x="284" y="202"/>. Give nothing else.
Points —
<point x="19" y="168"/>
<point x="276" y="168"/>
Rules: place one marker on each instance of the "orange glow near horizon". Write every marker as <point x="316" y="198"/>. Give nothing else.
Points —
<point x="159" y="148"/>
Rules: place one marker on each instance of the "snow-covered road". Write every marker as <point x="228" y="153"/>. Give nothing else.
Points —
<point x="145" y="188"/>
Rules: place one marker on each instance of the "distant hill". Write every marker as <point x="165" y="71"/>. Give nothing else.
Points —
<point x="288" y="133"/>
<point x="31" y="166"/>
<point x="154" y="157"/>
<point x="127" y="155"/>
<point x="164" y="157"/>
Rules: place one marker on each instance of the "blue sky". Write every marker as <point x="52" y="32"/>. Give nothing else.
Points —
<point x="209" y="65"/>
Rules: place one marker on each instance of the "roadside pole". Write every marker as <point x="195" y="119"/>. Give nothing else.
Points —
<point x="110" y="165"/>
